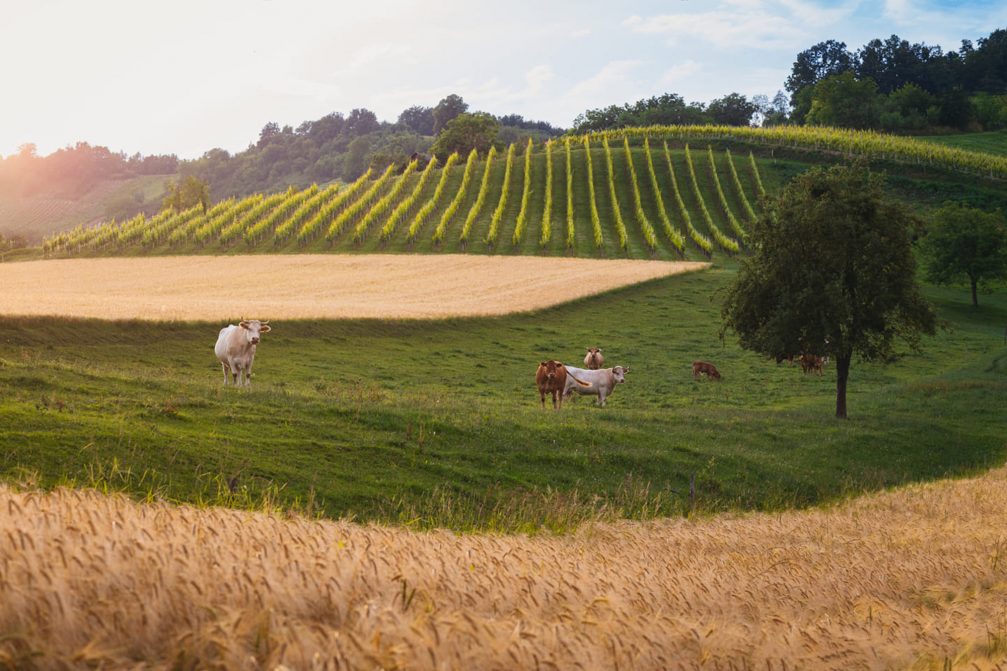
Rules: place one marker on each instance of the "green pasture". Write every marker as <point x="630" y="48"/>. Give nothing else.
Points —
<point x="438" y="423"/>
<point x="993" y="142"/>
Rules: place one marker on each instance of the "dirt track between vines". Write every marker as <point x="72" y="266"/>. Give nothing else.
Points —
<point x="307" y="286"/>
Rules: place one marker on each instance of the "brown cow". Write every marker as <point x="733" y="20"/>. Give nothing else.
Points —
<point x="551" y="379"/>
<point x="812" y="362"/>
<point x="704" y="368"/>
<point x="594" y="360"/>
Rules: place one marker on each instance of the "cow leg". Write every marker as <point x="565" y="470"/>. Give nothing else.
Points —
<point x="224" y="366"/>
<point x="557" y="397"/>
<point x="554" y="393"/>
<point x="542" y="394"/>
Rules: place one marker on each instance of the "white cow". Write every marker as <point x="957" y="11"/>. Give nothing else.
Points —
<point x="236" y="349"/>
<point x="600" y="383"/>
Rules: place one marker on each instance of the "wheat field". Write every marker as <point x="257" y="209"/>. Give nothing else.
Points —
<point x="308" y="286"/>
<point x="915" y="578"/>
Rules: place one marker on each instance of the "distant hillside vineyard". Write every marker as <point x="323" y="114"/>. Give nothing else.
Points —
<point x="656" y="192"/>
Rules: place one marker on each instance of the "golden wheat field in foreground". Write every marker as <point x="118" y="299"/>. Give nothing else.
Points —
<point x="915" y="578"/>
<point x="306" y="286"/>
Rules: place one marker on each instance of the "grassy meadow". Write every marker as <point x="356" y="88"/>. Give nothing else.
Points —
<point x="437" y="423"/>
<point x="992" y="142"/>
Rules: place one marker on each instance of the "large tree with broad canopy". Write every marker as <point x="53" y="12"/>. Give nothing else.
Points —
<point x="831" y="273"/>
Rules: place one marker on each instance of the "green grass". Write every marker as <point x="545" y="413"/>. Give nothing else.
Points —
<point x="438" y="423"/>
<point x="994" y="142"/>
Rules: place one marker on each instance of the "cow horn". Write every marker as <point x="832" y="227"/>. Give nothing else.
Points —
<point x="265" y="322"/>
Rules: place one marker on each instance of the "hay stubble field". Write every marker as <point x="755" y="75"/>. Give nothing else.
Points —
<point x="308" y="286"/>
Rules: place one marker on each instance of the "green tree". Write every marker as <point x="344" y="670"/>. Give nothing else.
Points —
<point x="965" y="242"/>
<point x="813" y="65"/>
<point x="733" y="109"/>
<point x="845" y="101"/>
<point x="447" y="109"/>
<point x="832" y="273"/>
<point x="418" y="119"/>
<point x="187" y="192"/>
<point x="355" y="159"/>
<point x="467" y="132"/>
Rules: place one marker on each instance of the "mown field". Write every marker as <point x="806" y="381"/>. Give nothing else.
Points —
<point x="437" y="423"/>
<point x="312" y="286"/>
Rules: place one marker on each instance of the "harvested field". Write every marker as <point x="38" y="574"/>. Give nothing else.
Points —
<point x="307" y="286"/>
<point x="913" y="578"/>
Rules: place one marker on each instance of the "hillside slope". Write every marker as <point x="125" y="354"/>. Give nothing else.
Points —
<point x="655" y="192"/>
<point x="460" y="211"/>
<point x="38" y="215"/>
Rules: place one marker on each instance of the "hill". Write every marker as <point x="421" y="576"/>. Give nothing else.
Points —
<point x="655" y="192"/>
<point x="48" y="211"/>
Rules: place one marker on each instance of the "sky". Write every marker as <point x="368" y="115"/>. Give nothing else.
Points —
<point x="184" y="76"/>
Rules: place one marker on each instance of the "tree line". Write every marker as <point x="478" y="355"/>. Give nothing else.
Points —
<point x="894" y="85"/>
<point x="333" y="147"/>
<point x="344" y="147"/>
<point x="74" y="170"/>
<point x="888" y="84"/>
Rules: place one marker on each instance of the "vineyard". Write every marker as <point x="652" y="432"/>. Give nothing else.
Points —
<point x="580" y="198"/>
<point x="657" y="192"/>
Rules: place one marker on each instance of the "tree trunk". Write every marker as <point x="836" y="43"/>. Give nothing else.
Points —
<point x="975" y="299"/>
<point x="842" y="375"/>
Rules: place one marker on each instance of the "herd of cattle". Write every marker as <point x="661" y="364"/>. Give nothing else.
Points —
<point x="236" y="344"/>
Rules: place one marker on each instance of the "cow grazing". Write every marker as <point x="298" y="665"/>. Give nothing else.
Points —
<point x="812" y="363"/>
<point x="704" y="368"/>
<point x="594" y="360"/>
<point x="235" y="349"/>
<point x="600" y="383"/>
<point x="551" y="379"/>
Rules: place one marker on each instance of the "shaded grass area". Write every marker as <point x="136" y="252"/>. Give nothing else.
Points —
<point x="993" y="142"/>
<point x="438" y="423"/>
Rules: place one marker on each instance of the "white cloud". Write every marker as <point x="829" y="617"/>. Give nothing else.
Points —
<point x="749" y="24"/>
<point x="813" y="15"/>
<point x="724" y="29"/>
<point x="613" y="75"/>
<point x="676" y="73"/>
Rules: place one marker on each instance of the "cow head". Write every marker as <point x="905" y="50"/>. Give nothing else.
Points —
<point x="619" y="374"/>
<point x="551" y="368"/>
<point x="253" y="328"/>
